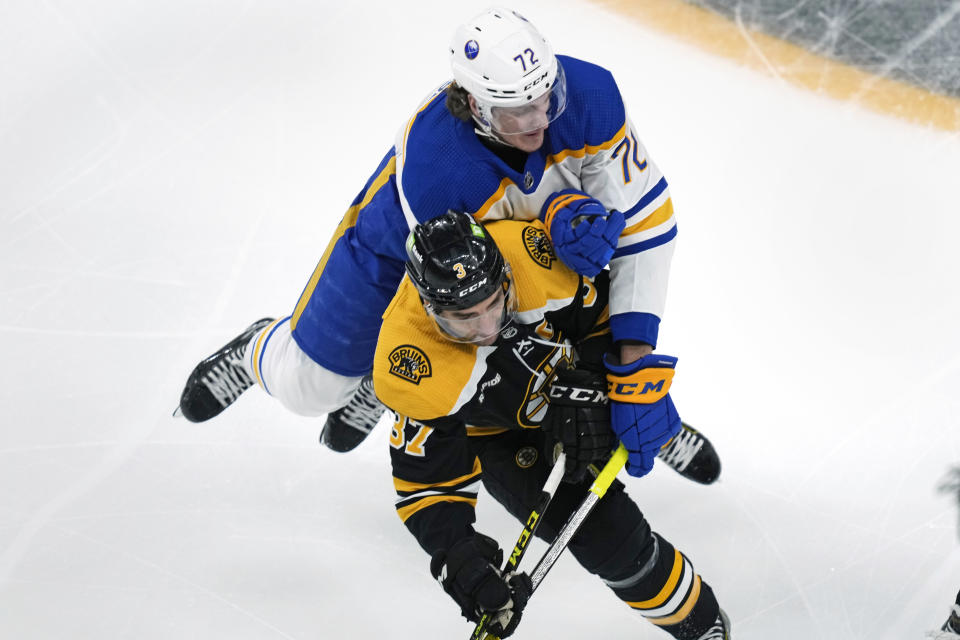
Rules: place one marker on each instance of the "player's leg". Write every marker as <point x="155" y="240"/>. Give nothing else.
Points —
<point x="264" y="354"/>
<point x="220" y="378"/>
<point x="951" y="628"/>
<point x="615" y="542"/>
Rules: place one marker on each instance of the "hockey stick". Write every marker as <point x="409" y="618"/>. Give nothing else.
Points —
<point x="597" y="490"/>
<point x="529" y="527"/>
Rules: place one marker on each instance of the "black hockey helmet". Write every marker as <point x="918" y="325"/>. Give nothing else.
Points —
<point x="454" y="262"/>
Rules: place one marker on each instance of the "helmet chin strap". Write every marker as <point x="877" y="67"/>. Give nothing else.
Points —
<point x="484" y="128"/>
<point x="487" y="132"/>
<point x="490" y="133"/>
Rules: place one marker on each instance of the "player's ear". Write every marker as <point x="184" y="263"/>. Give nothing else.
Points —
<point x="473" y="105"/>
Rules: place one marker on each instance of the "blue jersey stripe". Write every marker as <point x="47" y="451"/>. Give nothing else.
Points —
<point x="647" y="244"/>
<point x="647" y="198"/>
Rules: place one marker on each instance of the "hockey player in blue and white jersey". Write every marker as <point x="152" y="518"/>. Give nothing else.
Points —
<point x="519" y="133"/>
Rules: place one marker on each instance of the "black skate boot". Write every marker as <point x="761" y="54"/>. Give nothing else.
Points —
<point x="720" y="629"/>
<point x="218" y="381"/>
<point x="692" y="455"/>
<point x="951" y="628"/>
<point x="348" y="426"/>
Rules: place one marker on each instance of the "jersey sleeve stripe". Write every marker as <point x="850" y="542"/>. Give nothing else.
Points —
<point x="492" y="200"/>
<point x="661" y="215"/>
<point x="409" y="510"/>
<point x="405" y="486"/>
<point x="647" y="198"/>
<point x="591" y="149"/>
<point x="469" y="490"/>
<point x="485" y="431"/>
<point x="639" y="247"/>
<point x="551" y="160"/>
<point x="349" y="220"/>
<point x="441" y="91"/>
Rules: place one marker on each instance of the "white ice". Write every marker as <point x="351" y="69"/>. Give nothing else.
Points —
<point x="172" y="171"/>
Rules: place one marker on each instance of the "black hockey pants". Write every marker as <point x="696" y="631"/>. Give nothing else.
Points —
<point x="615" y="542"/>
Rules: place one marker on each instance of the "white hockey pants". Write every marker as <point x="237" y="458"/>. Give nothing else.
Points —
<point x="284" y="371"/>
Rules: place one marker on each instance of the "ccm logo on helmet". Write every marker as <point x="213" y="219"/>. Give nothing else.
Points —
<point x="537" y="81"/>
<point x="472" y="288"/>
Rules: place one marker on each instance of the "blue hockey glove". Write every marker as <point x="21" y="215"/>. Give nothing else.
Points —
<point x="641" y="410"/>
<point x="583" y="232"/>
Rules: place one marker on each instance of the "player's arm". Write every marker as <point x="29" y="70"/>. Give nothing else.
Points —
<point x="622" y="215"/>
<point x="625" y="178"/>
<point x="436" y="477"/>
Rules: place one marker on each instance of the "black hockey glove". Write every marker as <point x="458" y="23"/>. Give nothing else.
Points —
<point x="579" y="419"/>
<point x="469" y="574"/>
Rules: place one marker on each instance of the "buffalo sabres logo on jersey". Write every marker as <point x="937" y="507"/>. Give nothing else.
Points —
<point x="410" y="363"/>
<point x="538" y="246"/>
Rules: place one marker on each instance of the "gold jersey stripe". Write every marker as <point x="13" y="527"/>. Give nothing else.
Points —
<point x="556" y="158"/>
<point x="592" y="149"/>
<point x="410" y="509"/>
<point x="406" y="485"/>
<point x="258" y="349"/>
<point x="406" y="132"/>
<point x="485" y="431"/>
<point x="658" y="217"/>
<point x="494" y="199"/>
<point x="349" y="220"/>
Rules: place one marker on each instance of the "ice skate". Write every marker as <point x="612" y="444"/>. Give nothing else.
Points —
<point x="218" y="381"/>
<point x="951" y="628"/>
<point x="348" y="426"/>
<point x="720" y="629"/>
<point x="692" y="455"/>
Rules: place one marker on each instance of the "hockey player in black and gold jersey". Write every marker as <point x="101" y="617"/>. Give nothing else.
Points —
<point x="479" y="333"/>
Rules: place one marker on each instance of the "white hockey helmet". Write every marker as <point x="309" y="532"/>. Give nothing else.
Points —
<point x="510" y="70"/>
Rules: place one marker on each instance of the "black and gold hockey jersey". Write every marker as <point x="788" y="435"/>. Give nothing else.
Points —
<point x="444" y="392"/>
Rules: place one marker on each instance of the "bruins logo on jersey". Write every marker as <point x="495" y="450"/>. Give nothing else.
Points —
<point x="526" y="457"/>
<point x="410" y="363"/>
<point x="538" y="246"/>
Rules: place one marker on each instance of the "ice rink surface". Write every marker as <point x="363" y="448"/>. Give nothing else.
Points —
<point x="171" y="171"/>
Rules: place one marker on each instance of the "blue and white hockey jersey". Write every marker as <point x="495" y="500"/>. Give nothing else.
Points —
<point x="437" y="163"/>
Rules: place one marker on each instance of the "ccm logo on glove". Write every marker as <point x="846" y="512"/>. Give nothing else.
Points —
<point x="559" y="391"/>
<point x="644" y="386"/>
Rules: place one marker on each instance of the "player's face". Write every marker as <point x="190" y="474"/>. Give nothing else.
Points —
<point x="479" y="324"/>
<point x="521" y="127"/>
<point x="528" y="142"/>
<point x="532" y="116"/>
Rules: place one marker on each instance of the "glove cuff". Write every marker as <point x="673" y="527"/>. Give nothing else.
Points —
<point x="644" y="381"/>
<point x="477" y="545"/>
